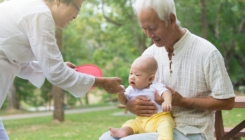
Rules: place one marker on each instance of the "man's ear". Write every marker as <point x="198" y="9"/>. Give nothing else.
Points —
<point x="172" y="19"/>
<point x="151" y="79"/>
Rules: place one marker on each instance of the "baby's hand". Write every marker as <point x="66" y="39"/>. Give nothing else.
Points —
<point x="166" y="106"/>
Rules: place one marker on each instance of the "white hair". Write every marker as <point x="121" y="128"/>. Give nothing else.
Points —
<point x="163" y="8"/>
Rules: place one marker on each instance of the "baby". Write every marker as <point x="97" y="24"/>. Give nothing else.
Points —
<point x="141" y="77"/>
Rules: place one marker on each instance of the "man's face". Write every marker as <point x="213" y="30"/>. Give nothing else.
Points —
<point x="155" y="28"/>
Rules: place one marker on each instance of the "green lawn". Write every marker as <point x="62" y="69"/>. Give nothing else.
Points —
<point x="83" y="126"/>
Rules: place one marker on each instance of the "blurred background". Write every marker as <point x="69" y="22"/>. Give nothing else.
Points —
<point x="106" y="33"/>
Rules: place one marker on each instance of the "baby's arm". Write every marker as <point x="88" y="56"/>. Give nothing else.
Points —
<point x="167" y="101"/>
<point x="122" y="97"/>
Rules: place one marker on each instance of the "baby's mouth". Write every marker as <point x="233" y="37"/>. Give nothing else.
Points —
<point x="132" y="83"/>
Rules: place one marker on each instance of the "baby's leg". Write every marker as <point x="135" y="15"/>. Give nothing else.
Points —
<point x="121" y="132"/>
<point x="165" y="128"/>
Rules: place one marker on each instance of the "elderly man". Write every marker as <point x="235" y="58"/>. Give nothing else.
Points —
<point x="190" y="66"/>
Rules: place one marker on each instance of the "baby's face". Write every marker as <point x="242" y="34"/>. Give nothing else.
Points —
<point x="138" y="77"/>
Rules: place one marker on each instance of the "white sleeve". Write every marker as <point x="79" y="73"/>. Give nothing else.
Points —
<point x="40" y="30"/>
<point x="217" y="78"/>
<point x="160" y="88"/>
<point x="32" y="72"/>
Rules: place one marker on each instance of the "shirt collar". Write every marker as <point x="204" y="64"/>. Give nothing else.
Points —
<point x="182" y="41"/>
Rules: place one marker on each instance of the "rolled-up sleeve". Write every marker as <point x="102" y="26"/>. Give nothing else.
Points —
<point x="32" y="72"/>
<point x="42" y="40"/>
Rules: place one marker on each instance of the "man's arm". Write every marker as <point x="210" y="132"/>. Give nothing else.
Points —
<point x="205" y="103"/>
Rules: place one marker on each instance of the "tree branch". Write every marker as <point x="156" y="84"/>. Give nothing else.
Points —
<point x="240" y="59"/>
<point x="204" y="19"/>
<point x="241" y="25"/>
<point x="216" y="29"/>
<point x="107" y="18"/>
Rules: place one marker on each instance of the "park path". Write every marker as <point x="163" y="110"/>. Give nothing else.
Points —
<point x="50" y="113"/>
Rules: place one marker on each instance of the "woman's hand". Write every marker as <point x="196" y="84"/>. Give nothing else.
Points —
<point x="141" y="106"/>
<point x="110" y="84"/>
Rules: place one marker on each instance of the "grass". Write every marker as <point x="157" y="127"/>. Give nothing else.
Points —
<point x="83" y="126"/>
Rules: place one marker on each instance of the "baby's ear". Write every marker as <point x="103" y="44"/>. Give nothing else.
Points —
<point x="151" y="79"/>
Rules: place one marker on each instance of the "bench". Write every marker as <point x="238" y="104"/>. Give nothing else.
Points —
<point x="235" y="133"/>
<point x="238" y="135"/>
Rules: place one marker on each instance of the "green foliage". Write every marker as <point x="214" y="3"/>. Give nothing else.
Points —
<point x="5" y="104"/>
<point x="106" y="33"/>
<point x="26" y="92"/>
<point x="70" y="99"/>
<point x="226" y="30"/>
<point x="106" y="44"/>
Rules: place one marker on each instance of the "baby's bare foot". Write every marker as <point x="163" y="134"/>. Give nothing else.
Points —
<point x="118" y="132"/>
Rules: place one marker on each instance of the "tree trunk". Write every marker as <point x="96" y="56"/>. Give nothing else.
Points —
<point x="204" y="19"/>
<point x="58" y="113"/>
<point x="13" y="102"/>
<point x="87" y="99"/>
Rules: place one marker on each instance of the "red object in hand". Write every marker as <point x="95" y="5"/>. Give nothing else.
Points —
<point x="89" y="69"/>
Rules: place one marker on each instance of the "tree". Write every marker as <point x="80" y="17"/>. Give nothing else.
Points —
<point x="58" y="113"/>
<point x="225" y="29"/>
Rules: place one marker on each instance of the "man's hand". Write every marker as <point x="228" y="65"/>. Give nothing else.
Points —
<point x="176" y="97"/>
<point x="141" y="106"/>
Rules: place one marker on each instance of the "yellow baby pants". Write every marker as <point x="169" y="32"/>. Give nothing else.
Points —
<point x="162" y="123"/>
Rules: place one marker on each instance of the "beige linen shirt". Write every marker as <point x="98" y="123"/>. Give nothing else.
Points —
<point x="28" y="49"/>
<point x="198" y="70"/>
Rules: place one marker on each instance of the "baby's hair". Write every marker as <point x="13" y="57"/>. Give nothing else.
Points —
<point x="149" y="63"/>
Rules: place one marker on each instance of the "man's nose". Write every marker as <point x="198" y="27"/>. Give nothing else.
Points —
<point x="149" y="34"/>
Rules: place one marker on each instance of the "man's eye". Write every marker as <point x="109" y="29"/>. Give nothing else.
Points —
<point x="153" y="29"/>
